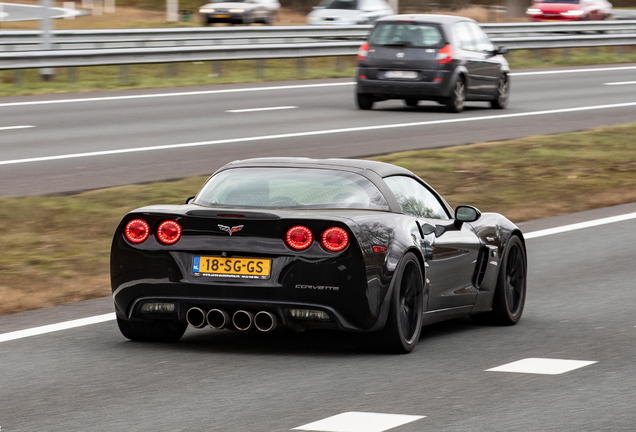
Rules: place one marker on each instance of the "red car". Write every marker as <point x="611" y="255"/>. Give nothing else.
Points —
<point x="569" y="10"/>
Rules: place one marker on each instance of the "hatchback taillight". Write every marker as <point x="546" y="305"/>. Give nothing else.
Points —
<point x="335" y="239"/>
<point x="445" y="55"/>
<point x="299" y="237"/>
<point x="137" y="230"/>
<point x="169" y="232"/>
<point x="363" y="52"/>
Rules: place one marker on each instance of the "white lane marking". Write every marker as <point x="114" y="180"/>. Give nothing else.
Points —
<point x="111" y="316"/>
<point x="160" y="95"/>
<point x="543" y="366"/>
<point x="578" y="226"/>
<point x="620" y="83"/>
<point x="56" y="327"/>
<point x="15" y="127"/>
<point x="311" y="133"/>
<point x="359" y="422"/>
<point x="257" y="89"/>
<point x="568" y="71"/>
<point x="261" y="109"/>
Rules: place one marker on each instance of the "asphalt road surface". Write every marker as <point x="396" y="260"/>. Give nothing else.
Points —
<point x="64" y="143"/>
<point x="579" y="320"/>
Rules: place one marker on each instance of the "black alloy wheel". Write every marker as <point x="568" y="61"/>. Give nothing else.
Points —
<point x="503" y="94"/>
<point x="411" y="102"/>
<point x="510" y="295"/>
<point x="404" y="323"/>
<point x="364" y="101"/>
<point x="455" y="102"/>
<point x="152" y="331"/>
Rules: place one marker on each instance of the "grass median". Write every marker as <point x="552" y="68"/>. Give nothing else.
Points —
<point x="56" y="248"/>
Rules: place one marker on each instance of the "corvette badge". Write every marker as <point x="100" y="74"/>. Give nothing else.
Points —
<point x="229" y="230"/>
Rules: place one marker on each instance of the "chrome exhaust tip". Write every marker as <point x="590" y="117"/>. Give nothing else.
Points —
<point x="243" y="320"/>
<point x="218" y="319"/>
<point x="195" y="317"/>
<point x="265" y="321"/>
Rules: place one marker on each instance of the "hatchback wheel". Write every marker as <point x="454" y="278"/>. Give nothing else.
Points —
<point x="455" y="102"/>
<point x="365" y="101"/>
<point x="411" y="102"/>
<point x="503" y="94"/>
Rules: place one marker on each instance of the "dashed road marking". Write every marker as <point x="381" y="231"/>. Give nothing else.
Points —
<point x="359" y="422"/>
<point x="620" y="83"/>
<point x="542" y="366"/>
<point x="261" y="109"/>
<point x="15" y="127"/>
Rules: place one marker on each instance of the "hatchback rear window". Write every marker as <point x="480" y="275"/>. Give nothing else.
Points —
<point x="291" y="188"/>
<point x="417" y="35"/>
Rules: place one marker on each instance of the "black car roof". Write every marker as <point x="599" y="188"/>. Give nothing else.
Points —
<point x="380" y="168"/>
<point x="434" y="18"/>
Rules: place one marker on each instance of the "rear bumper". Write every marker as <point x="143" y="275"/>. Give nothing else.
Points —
<point x="128" y="303"/>
<point x="438" y="88"/>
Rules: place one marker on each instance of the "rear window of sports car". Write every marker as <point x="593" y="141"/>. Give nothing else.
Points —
<point x="291" y="188"/>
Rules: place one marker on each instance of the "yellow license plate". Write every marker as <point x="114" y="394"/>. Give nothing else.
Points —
<point x="242" y="268"/>
<point x="220" y="16"/>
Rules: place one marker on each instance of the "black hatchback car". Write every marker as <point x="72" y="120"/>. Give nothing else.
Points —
<point x="447" y="59"/>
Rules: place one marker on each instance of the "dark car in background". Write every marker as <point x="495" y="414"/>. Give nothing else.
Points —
<point x="351" y="245"/>
<point x="447" y="59"/>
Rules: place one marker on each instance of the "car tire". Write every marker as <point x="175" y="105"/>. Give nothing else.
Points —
<point x="152" y="331"/>
<point x="455" y="102"/>
<point x="503" y="94"/>
<point x="364" y="101"/>
<point x="411" y="102"/>
<point x="404" y="322"/>
<point x="510" y="294"/>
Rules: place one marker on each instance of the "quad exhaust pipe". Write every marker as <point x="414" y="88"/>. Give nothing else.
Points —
<point x="195" y="317"/>
<point x="218" y="319"/>
<point x="241" y="320"/>
<point x="265" y="321"/>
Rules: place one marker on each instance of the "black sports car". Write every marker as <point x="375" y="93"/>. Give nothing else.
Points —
<point x="353" y="245"/>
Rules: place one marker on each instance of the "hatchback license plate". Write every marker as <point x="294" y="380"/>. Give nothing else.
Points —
<point x="221" y="16"/>
<point x="400" y="74"/>
<point x="241" y="268"/>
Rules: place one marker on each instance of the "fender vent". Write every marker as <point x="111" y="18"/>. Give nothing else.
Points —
<point x="482" y="265"/>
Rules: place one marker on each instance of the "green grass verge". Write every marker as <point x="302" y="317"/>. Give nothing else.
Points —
<point x="99" y="78"/>
<point x="56" y="248"/>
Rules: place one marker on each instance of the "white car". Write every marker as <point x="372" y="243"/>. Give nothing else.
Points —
<point x="240" y="11"/>
<point x="349" y="12"/>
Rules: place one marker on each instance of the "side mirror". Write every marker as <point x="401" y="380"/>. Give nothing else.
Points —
<point x="502" y="50"/>
<point x="189" y="200"/>
<point x="464" y="213"/>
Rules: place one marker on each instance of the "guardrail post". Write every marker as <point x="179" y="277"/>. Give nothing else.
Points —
<point x="18" y="78"/>
<point x="260" y="68"/>
<point x="123" y="74"/>
<point x="300" y="66"/>
<point x="217" y="68"/>
<point x="620" y="50"/>
<point x="340" y="64"/>
<point x="594" y="51"/>
<point x="566" y="53"/>
<point x="171" y="70"/>
<point x="72" y="74"/>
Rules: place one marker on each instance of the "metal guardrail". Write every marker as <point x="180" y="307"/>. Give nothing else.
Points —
<point x="266" y="50"/>
<point x="14" y="40"/>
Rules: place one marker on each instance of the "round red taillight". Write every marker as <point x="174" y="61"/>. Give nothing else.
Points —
<point x="137" y="230"/>
<point x="299" y="237"/>
<point x="169" y="232"/>
<point x="335" y="239"/>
